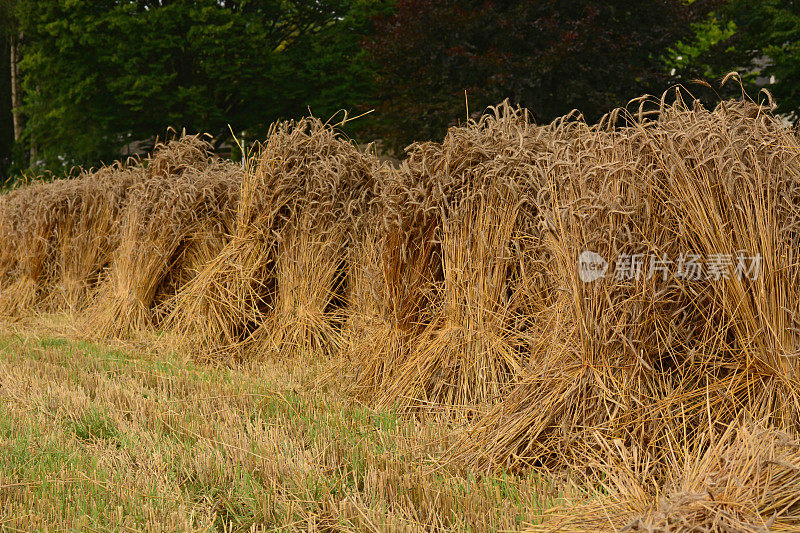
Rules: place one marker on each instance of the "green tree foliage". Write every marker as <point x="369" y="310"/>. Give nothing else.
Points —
<point x="551" y="56"/>
<point x="99" y="74"/>
<point x="760" y="39"/>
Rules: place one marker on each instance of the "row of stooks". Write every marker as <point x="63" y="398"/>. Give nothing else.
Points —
<point x="454" y="279"/>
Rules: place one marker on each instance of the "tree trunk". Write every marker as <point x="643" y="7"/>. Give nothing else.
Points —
<point x="16" y="91"/>
<point x="34" y="153"/>
<point x="6" y="120"/>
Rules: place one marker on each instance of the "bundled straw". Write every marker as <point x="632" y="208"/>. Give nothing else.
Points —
<point x="640" y="358"/>
<point x="274" y="288"/>
<point x="458" y="222"/>
<point x="90" y="233"/>
<point x="178" y="215"/>
<point x="58" y="237"/>
<point x="744" y="479"/>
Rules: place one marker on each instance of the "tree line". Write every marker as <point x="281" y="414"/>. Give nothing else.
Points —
<point x="84" y="81"/>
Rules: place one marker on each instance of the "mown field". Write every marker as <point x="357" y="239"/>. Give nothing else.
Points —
<point x="129" y="438"/>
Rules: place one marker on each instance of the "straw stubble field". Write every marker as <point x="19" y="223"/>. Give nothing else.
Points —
<point x="416" y="346"/>
<point x="99" y="438"/>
